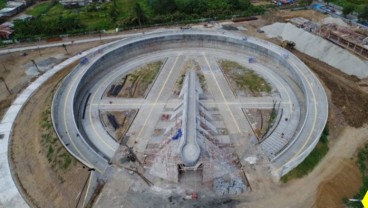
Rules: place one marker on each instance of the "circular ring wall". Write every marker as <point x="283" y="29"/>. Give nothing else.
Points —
<point x="300" y="94"/>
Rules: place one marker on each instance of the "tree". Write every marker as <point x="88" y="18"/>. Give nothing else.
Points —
<point x="234" y="4"/>
<point x="114" y="13"/>
<point x="193" y="6"/>
<point x="164" y="6"/>
<point x="347" y="10"/>
<point x="364" y="15"/>
<point x="307" y="2"/>
<point x="141" y="17"/>
<point x="6" y="86"/>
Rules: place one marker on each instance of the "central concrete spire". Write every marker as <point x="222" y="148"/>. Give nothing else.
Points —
<point x="193" y="114"/>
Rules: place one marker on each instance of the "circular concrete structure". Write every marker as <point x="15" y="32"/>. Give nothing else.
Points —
<point x="299" y="94"/>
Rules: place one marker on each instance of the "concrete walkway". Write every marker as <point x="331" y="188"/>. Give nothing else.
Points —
<point x="10" y="196"/>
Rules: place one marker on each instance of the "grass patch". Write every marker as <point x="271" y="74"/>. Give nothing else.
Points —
<point x="312" y="159"/>
<point x="244" y="78"/>
<point x="142" y="78"/>
<point x="56" y="154"/>
<point x="362" y="162"/>
<point x="151" y="70"/>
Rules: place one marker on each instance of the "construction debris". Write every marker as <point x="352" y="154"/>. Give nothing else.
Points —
<point x="233" y="187"/>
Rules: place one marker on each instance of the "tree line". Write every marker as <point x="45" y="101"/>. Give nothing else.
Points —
<point x="141" y="13"/>
<point x="47" y="27"/>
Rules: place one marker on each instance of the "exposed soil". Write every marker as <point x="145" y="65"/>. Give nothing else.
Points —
<point x="138" y="83"/>
<point x="122" y="118"/>
<point x="261" y="118"/>
<point x="14" y="65"/>
<point x="310" y="191"/>
<point x="44" y="185"/>
<point x="190" y="64"/>
<point x="346" y="94"/>
<point x="307" y="14"/>
<point x="242" y="81"/>
<point x="4" y="104"/>
<point x="346" y="180"/>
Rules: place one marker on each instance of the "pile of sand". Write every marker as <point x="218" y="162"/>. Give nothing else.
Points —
<point x="319" y="48"/>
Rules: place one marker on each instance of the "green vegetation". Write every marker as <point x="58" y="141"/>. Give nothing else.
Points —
<point x="362" y="162"/>
<point x="202" y="80"/>
<point x="347" y="10"/>
<point x="272" y="119"/>
<point x="56" y="154"/>
<point x="2" y="4"/>
<point x="150" y="72"/>
<point x="40" y="9"/>
<point x="363" y="16"/>
<point x="126" y="14"/>
<point x="356" y="5"/>
<point x="44" y="27"/>
<point x="306" y="2"/>
<point x="142" y="77"/>
<point x="180" y="81"/>
<point x="244" y="78"/>
<point x="190" y="65"/>
<point x="311" y="161"/>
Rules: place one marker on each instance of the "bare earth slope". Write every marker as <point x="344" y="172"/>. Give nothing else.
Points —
<point x="44" y="186"/>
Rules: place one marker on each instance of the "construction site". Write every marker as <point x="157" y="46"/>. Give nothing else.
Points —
<point x="204" y="116"/>
<point x="191" y="120"/>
